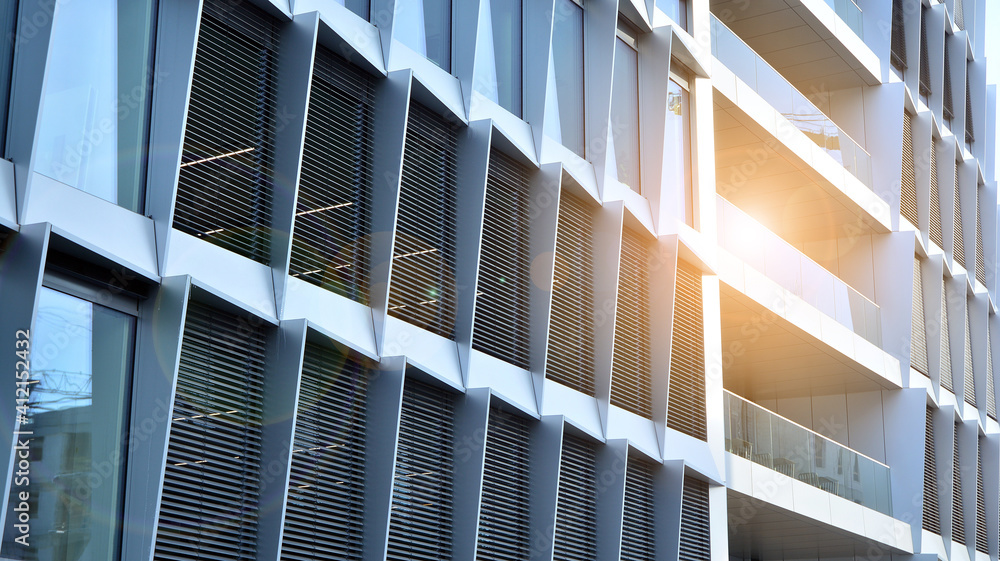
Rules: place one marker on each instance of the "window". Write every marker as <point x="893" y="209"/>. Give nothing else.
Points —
<point x="504" y="519"/>
<point x="77" y="414"/>
<point x="576" y="508"/>
<point x="507" y="19"/>
<point x="686" y="405"/>
<point x="94" y="112"/>
<point x="931" y="520"/>
<point x="360" y="7"/>
<point x="696" y="535"/>
<point x="8" y="22"/>
<point x="925" y="64"/>
<point x="625" y="107"/>
<point x="631" y="369"/>
<point x="677" y="146"/>
<point x="425" y="27"/>
<point x="897" y="53"/>
<point x="566" y="76"/>
<point x="677" y="10"/>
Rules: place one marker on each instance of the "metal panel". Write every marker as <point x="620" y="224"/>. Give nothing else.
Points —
<point x="226" y="184"/>
<point x="385" y="395"/>
<point x="686" y="395"/>
<point x="631" y="376"/>
<point x="472" y="414"/>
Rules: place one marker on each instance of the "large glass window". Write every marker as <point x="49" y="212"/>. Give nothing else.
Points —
<point x="676" y="9"/>
<point x="92" y="128"/>
<point x="677" y="147"/>
<point x="425" y="26"/>
<point x="8" y="18"/>
<point x="506" y="16"/>
<point x="73" y="435"/>
<point x="566" y="78"/>
<point x="625" y="107"/>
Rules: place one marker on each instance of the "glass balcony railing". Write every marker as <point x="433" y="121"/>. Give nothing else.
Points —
<point x="730" y="50"/>
<point x="765" y="438"/>
<point x="850" y="13"/>
<point x="781" y="262"/>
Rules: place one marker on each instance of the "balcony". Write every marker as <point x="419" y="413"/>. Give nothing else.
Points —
<point x="755" y="72"/>
<point x="767" y="439"/>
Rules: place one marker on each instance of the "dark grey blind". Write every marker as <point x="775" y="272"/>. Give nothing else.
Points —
<point x="422" y="290"/>
<point x="571" y="328"/>
<point x="696" y="537"/>
<point x="949" y="103"/>
<point x="209" y="507"/>
<point x="970" y="121"/>
<point x="935" y="228"/>
<point x="960" y="22"/>
<point x="631" y="375"/>
<point x="925" y="64"/>
<point x="502" y="321"/>
<point x="946" y="375"/>
<point x="639" y="521"/>
<point x="982" y="535"/>
<point x="970" y="379"/>
<point x="908" y="179"/>
<point x="503" y="517"/>
<point x="686" y="395"/>
<point x="331" y="243"/>
<point x="958" y="513"/>
<point x="576" y="511"/>
<point x="918" y="323"/>
<point x="422" y="490"/>
<point x="326" y="489"/>
<point x="991" y="398"/>
<point x="932" y="517"/>
<point x="898" y="38"/>
<point x="226" y="185"/>
<point x="980" y="251"/>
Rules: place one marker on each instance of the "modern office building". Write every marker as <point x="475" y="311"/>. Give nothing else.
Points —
<point x="498" y="280"/>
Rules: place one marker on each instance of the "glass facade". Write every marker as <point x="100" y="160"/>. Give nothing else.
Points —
<point x="625" y="108"/>
<point x="94" y="112"/>
<point x="566" y="78"/>
<point x="676" y="9"/>
<point x="506" y="18"/>
<point x="75" y="423"/>
<point x="677" y="149"/>
<point x="425" y="27"/>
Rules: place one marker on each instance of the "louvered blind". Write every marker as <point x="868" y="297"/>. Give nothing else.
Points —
<point x="958" y="513"/>
<point x="326" y="489"/>
<point x="898" y="38"/>
<point x="970" y="132"/>
<point x="980" y="251"/>
<point x="686" y="396"/>
<point x="422" y="490"/>
<point x="935" y="229"/>
<point x="501" y="327"/>
<point x="982" y="537"/>
<point x="991" y="398"/>
<point x="970" y="385"/>
<point x="209" y="507"/>
<point x="503" y="517"/>
<point x="696" y="537"/>
<point x="959" y="234"/>
<point x="949" y="104"/>
<point x="576" y="511"/>
<point x="226" y="184"/>
<point x="918" y="332"/>
<point x="932" y="517"/>
<point x="908" y="179"/>
<point x="422" y="290"/>
<point x="960" y="18"/>
<point x="631" y="375"/>
<point x="331" y="244"/>
<point x="946" y="376"/>
<point x="571" y="328"/>
<point x="925" y="68"/>
<point x="639" y="522"/>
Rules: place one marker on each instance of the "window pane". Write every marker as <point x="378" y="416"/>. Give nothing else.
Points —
<point x="676" y="9"/>
<point x="81" y="360"/>
<point x="92" y="127"/>
<point x="359" y="7"/>
<point x="567" y="64"/>
<point x="625" y="114"/>
<point x="507" y="52"/>
<point x="425" y="26"/>
<point x="8" y="17"/>
<point x="677" y="150"/>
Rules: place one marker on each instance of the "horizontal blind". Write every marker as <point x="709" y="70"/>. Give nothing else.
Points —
<point x="503" y="517"/>
<point x="935" y="229"/>
<point x="960" y="16"/>
<point x="631" y="375"/>
<point x="209" y="506"/>
<point x="502" y="320"/>
<point x="970" y="131"/>
<point x="420" y="526"/>
<point x="696" y="536"/>
<point x="571" y="328"/>
<point x="226" y="185"/>
<point x="908" y="179"/>
<point x="639" y="519"/>
<point x="326" y="489"/>
<point x="991" y="398"/>
<point x="686" y="396"/>
<point x="982" y="536"/>
<point x="918" y="323"/>
<point x="969" y="379"/>
<point x="331" y="243"/>
<point x="980" y="250"/>
<point x="958" y="513"/>
<point x="959" y="235"/>
<point x="946" y="376"/>
<point x="898" y="37"/>
<point x="422" y="289"/>
<point x="925" y="63"/>
<point x="949" y="104"/>
<point x="932" y="517"/>
<point x="576" y="511"/>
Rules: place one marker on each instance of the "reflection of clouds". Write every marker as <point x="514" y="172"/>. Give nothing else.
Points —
<point x="62" y="352"/>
